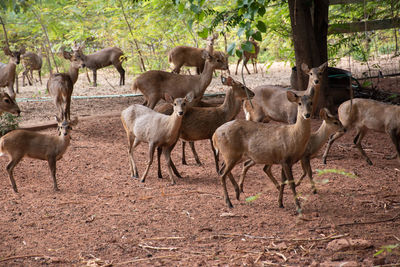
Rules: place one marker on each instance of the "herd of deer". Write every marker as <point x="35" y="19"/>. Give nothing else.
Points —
<point x="186" y="116"/>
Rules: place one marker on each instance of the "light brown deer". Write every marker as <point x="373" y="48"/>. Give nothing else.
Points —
<point x="154" y="84"/>
<point x="143" y="124"/>
<point x="367" y="114"/>
<point x="270" y="102"/>
<point x="329" y="126"/>
<point x="8" y="104"/>
<point x="7" y="71"/>
<point x="249" y="55"/>
<point x="61" y="85"/>
<point x="20" y="143"/>
<point x="31" y="61"/>
<point x="265" y="144"/>
<point x="103" y="58"/>
<point x="200" y="123"/>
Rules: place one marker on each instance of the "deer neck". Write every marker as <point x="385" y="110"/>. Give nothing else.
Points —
<point x="73" y="74"/>
<point x="63" y="144"/>
<point x="231" y="105"/>
<point x="206" y="75"/>
<point x="302" y="129"/>
<point x="320" y="137"/>
<point x="174" y="124"/>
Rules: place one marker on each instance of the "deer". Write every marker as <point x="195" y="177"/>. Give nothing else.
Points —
<point x="143" y="124"/>
<point x="8" y="104"/>
<point x="330" y="125"/>
<point x="270" y="102"/>
<point x="31" y="61"/>
<point x="154" y="84"/>
<point x="7" y="71"/>
<point x="103" y="58"/>
<point x="265" y="144"/>
<point x="364" y="115"/>
<point x="20" y="143"/>
<point x="249" y="55"/>
<point x="61" y="85"/>
<point x="200" y="123"/>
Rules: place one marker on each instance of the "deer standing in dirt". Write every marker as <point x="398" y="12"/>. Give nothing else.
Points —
<point x="20" y="143"/>
<point x="368" y="114"/>
<point x="249" y="55"/>
<point x="7" y="71"/>
<point x="8" y="104"/>
<point x="143" y="124"/>
<point x="265" y="144"/>
<point x="155" y="84"/>
<point x="61" y="85"/>
<point x="329" y="126"/>
<point x="200" y="123"/>
<point x="103" y="58"/>
<point x="31" y="61"/>
<point x="270" y="102"/>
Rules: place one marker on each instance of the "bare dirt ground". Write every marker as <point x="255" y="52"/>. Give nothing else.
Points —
<point x="103" y="217"/>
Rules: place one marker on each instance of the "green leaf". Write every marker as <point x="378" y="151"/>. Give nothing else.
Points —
<point x="241" y="31"/>
<point x="239" y="53"/>
<point x="203" y="33"/>
<point x="248" y="46"/>
<point x="342" y="172"/>
<point x="181" y="7"/>
<point x="231" y="48"/>
<point x="257" y="36"/>
<point x="261" y="11"/>
<point x="261" y="26"/>
<point x="253" y="198"/>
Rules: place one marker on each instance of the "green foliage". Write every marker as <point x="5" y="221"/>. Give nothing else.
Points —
<point x="341" y="172"/>
<point x="389" y="249"/>
<point x="8" y="122"/>
<point x="253" y="198"/>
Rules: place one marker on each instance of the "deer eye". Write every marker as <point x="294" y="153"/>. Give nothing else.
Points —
<point x="174" y="104"/>
<point x="310" y="73"/>
<point x="336" y="123"/>
<point x="299" y="104"/>
<point x="184" y="104"/>
<point x="7" y="101"/>
<point x="311" y="103"/>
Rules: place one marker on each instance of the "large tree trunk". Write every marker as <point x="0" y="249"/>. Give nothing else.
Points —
<point x="309" y="20"/>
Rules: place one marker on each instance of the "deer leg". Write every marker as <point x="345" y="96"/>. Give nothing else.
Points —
<point x="151" y="154"/>
<point x="196" y="156"/>
<point x="121" y="73"/>
<point x="332" y="139"/>
<point x="52" y="165"/>
<point x="177" y="68"/>
<point x="152" y="102"/>
<point x="68" y="109"/>
<point x="281" y="189"/>
<point x="172" y="163"/>
<point x="215" y="154"/>
<point x="183" y="153"/>
<point x="358" y="140"/>
<point x="95" y="78"/>
<point x="394" y="135"/>
<point x="245" y="64"/>
<point x="159" y="151"/>
<point x="40" y="76"/>
<point x="254" y="62"/>
<point x="267" y="171"/>
<point x="235" y="185"/>
<point x="10" y="170"/>
<point x="132" y="143"/>
<point x="237" y="65"/>
<point x="303" y="167"/>
<point x="167" y="155"/>
<point x="306" y="166"/>
<point x="289" y="175"/>
<point x="246" y="166"/>
<point x="228" y="167"/>
<point x="32" y="79"/>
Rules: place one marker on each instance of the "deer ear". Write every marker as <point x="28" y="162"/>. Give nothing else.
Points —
<point x="169" y="98"/>
<point x="189" y="97"/>
<point x="22" y="50"/>
<point x="7" y="51"/>
<point x="322" y="114"/>
<point x="67" y="55"/>
<point x="205" y="54"/>
<point x="304" y="68"/>
<point x="57" y="118"/>
<point x="291" y="96"/>
<point x="323" y="67"/>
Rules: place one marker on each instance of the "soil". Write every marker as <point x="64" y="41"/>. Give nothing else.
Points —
<point x="101" y="216"/>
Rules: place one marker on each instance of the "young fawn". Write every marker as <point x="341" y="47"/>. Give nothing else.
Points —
<point x="20" y="143"/>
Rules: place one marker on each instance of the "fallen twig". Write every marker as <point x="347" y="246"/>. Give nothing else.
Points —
<point x="358" y="223"/>
<point x="157" y="248"/>
<point x="165" y="237"/>
<point x="146" y="259"/>
<point x="178" y="194"/>
<point x="331" y="237"/>
<point x="24" y="256"/>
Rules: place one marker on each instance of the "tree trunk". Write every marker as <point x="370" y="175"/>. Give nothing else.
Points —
<point x="309" y="21"/>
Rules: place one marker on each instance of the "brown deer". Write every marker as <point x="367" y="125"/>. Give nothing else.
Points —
<point x="61" y="85"/>
<point x="31" y="61"/>
<point x="249" y="55"/>
<point x="143" y="124"/>
<point x="103" y="58"/>
<point x="8" y="104"/>
<point x="154" y="84"/>
<point x="364" y="115"/>
<point x="270" y="102"/>
<point x="265" y="144"/>
<point x="20" y="143"/>
<point x="329" y="126"/>
<point x="7" y="71"/>
<point x="200" y="123"/>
